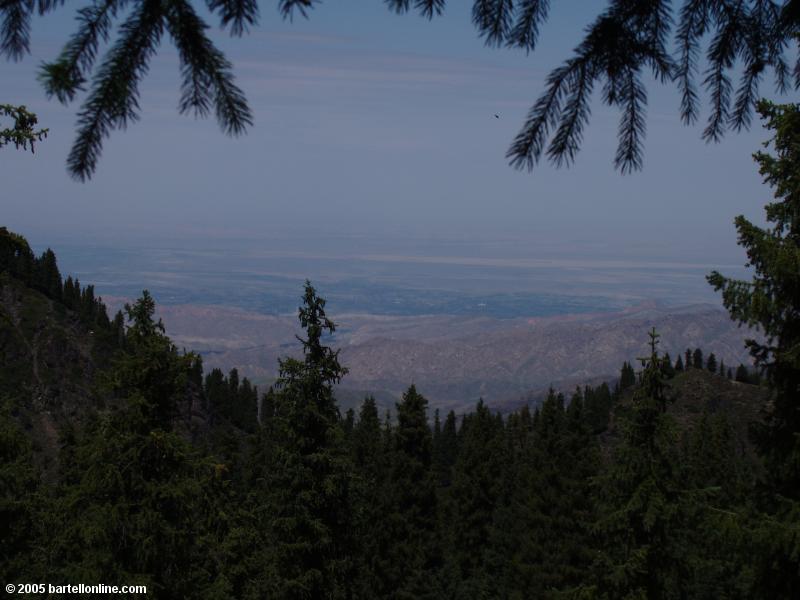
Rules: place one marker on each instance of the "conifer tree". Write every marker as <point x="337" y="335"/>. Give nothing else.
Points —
<point x="472" y="499"/>
<point x="770" y="302"/>
<point x="627" y="376"/>
<point x="697" y="358"/>
<point x="666" y="366"/>
<point x="711" y="363"/>
<point x="679" y="364"/>
<point x="544" y="520"/>
<point x="138" y="500"/>
<point x="312" y="482"/>
<point x="370" y="460"/>
<point x="597" y="406"/>
<point x="742" y="375"/>
<point x="445" y="451"/>
<point x="48" y="278"/>
<point x="409" y="563"/>
<point x="642" y="518"/>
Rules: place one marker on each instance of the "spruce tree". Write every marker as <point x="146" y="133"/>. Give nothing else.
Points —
<point x="472" y="500"/>
<point x="697" y="358"/>
<point x="370" y="459"/>
<point x="627" y="376"/>
<point x="666" y="366"/>
<point x="597" y="406"/>
<point x="770" y="303"/>
<point x="138" y="502"/>
<point x="642" y="517"/>
<point x="742" y="375"/>
<point x="445" y="451"/>
<point x="411" y="555"/>
<point x="311" y="500"/>
<point x="48" y="278"/>
<point x="711" y="363"/>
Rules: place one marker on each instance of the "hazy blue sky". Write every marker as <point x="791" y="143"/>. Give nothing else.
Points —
<point x="367" y="122"/>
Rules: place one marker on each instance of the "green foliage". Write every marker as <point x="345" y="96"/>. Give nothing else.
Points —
<point x="770" y="302"/>
<point x="472" y="497"/>
<point x="643" y="512"/>
<point x="23" y="134"/>
<point x="711" y="363"/>
<point x="19" y="487"/>
<point x="607" y="495"/>
<point x="312" y="482"/>
<point x="140" y="508"/>
<point x="410" y="550"/>
<point x="697" y="358"/>
<point x="627" y="377"/>
<point x="230" y="401"/>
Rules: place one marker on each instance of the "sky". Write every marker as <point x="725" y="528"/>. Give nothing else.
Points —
<point x="377" y="130"/>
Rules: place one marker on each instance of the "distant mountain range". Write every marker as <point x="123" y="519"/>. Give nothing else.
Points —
<point x="455" y="360"/>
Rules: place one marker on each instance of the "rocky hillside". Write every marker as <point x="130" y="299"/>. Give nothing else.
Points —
<point x="457" y="360"/>
<point x="48" y="362"/>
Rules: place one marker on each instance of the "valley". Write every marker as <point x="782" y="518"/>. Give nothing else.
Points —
<point x="453" y="359"/>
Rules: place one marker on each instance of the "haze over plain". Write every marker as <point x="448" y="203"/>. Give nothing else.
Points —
<point x="376" y="168"/>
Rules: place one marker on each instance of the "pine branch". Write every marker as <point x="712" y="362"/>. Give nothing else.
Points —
<point x="692" y="26"/>
<point x="63" y="77"/>
<point x="239" y="14"/>
<point x="287" y="8"/>
<point x="530" y="142"/>
<point x="15" y="34"/>
<point x="721" y="54"/>
<point x="45" y="6"/>
<point x="525" y="32"/>
<point x="768" y="17"/>
<point x="113" y="100"/>
<point x="567" y="139"/>
<point x="746" y="97"/>
<point x="493" y="19"/>
<point x="426" y="8"/>
<point x="207" y="77"/>
<point x="632" y="125"/>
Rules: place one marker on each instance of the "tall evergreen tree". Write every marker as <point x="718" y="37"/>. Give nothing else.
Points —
<point x="138" y="501"/>
<point x="472" y="499"/>
<point x="370" y="459"/>
<point x="711" y="363"/>
<point x="627" y="377"/>
<point x="411" y="554"/>
<point x="770" y="302"/>
<point x="312" y="482"/>
<point x="697" y="358"/>
<point x="642" y="516"/>
<point x="48" y="278"/>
